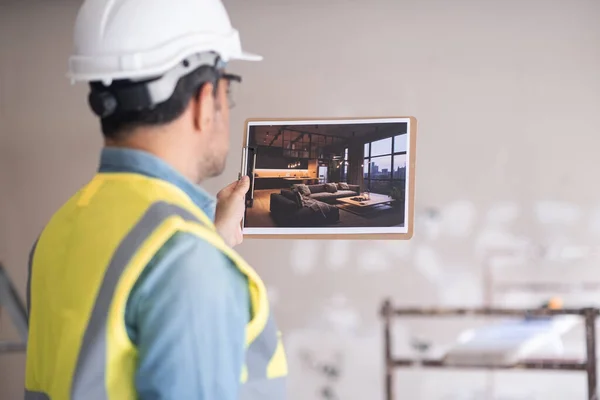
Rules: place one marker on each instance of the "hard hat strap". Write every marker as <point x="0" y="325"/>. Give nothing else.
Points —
<point x="127" y="96"/>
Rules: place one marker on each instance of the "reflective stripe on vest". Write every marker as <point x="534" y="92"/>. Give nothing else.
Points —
<point x="265" y="369"/>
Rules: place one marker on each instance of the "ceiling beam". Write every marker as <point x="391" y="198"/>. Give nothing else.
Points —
<point x="344" y="140"/>
<point x="317" y="134"/>
<point x="298" y="138"/>
<point x="276" y="136"/>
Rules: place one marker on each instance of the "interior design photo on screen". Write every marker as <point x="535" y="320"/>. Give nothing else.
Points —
<point x="333" y="176"/>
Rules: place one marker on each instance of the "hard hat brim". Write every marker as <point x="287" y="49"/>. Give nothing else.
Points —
<point x="246" y="56"/>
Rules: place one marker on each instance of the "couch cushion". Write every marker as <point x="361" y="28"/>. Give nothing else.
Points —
<point x="343" y="186"/>
<point x="298" y="198"/>
<point x="316" y="188"/>
<point x="345" y="193"/>
<point x="288" y="194"/>
<point x="321" y="196"/>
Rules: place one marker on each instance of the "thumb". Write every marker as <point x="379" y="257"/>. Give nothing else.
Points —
<point x="227" y="190"/>
<point x="242" y="186"/>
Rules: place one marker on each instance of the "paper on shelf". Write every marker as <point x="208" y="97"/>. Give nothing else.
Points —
<point x="509" y="341"/>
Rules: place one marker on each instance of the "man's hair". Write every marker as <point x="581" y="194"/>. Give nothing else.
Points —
<point x="121" y="124"/>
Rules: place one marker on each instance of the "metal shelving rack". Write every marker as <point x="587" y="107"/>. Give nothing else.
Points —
<point x="492" y="288"/>
<point x="10" y="301"/>
<point x="589" y="365"/>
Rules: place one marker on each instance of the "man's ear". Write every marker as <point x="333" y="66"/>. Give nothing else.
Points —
<point x="204" y="108"/>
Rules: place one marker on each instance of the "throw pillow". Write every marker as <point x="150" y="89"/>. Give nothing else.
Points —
<point x="303" y="189"/>
<point x="343" y="186"/>
<point x="331" y="187"/>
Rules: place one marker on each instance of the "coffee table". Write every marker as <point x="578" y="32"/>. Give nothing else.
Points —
<point x="363" y="207"/>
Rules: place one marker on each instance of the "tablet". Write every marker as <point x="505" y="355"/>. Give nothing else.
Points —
<point x="327" y="178"/>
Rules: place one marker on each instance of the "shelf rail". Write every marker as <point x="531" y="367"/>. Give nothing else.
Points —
<point x="589" y="365"/>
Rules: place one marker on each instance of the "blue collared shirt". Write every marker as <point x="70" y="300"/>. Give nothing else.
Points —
<point x="188" y="311"/>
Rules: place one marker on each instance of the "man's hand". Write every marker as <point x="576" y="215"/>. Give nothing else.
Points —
<point x="231" y="204"/>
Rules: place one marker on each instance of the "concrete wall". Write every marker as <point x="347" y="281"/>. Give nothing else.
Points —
<point x="507" y="95"/>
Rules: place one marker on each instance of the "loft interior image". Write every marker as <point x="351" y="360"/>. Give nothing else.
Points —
<point x="328" y="174"/>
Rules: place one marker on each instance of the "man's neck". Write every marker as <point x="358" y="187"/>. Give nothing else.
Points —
<point x="165" y="152"/>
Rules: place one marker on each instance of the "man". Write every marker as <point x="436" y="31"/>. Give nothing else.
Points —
<point x="134" y="290"/>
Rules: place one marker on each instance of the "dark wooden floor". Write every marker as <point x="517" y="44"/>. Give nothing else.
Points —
<point x="259" y="217"/>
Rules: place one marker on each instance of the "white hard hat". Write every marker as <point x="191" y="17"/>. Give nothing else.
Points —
<point x="139" y="39"/>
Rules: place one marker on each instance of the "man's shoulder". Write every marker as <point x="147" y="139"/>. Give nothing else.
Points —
<point x="186" y="243"/>
<point x="186" y="266"/>
<point x="191" y="260"/>
<point x="184" y="248"/>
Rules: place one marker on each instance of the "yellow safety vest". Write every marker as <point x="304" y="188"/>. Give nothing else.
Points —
<point x="86" y="262"/>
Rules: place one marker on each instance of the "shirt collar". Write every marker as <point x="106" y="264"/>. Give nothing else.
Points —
<point x="114" y="159"/>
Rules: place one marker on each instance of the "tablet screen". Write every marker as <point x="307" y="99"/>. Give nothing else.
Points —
<point x="330" y="177"/>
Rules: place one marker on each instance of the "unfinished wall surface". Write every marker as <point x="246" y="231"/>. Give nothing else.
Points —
<point x="507" y="95"/>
